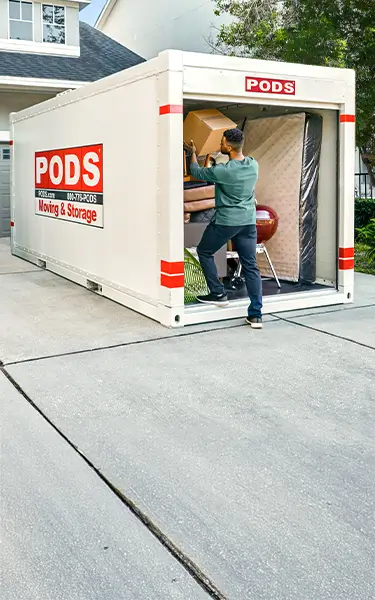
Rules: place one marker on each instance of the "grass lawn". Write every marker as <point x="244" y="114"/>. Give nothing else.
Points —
<point x="361" y="263"/>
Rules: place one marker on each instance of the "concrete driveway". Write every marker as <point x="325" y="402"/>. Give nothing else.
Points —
<point x="216" y="462"/>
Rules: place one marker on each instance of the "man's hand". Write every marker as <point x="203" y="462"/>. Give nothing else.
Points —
<point x="190" y="147"/>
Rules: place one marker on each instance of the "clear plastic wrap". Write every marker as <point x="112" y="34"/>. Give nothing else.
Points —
<point x="309" y="197"/>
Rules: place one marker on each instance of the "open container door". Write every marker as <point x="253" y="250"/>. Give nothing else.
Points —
<point x="313" y="248"/>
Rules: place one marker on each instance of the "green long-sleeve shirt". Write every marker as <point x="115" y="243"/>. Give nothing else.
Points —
<point x="234" y="190"/>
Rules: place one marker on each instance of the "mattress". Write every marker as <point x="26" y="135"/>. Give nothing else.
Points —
<point x="287" y="149"/>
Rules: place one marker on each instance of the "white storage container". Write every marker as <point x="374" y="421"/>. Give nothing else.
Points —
<point x="97" y="178"/>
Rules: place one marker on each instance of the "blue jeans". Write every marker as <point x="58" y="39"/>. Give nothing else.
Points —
<point x="245" y="240"/>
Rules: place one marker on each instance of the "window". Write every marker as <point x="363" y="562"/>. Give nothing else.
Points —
<point x="20" y="20"/>
<point x="53" y="18"/>
<point x="5" y="154"/>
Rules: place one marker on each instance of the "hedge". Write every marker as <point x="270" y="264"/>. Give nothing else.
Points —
<point x="364" y="212"/>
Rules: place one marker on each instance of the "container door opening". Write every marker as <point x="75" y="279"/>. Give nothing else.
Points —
<point x="296" y="199"/>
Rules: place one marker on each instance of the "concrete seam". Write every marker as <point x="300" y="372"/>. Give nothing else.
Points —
<point x="275" y="317"/>
<point x="20" y="272"/>
<point x="333" y="335"/>
<point x="326" y="312"/>
<point x="190" y="566"/>
<point x="120" y="345"/>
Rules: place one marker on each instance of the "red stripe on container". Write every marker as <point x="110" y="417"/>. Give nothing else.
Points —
<point x="172" y="281"/>
<point x="346" y="264"/>
<point x="12" y="223"/>
<point x="171" y="268"/>
<point x="171" y="109"/>
<point x="347" y="118"/>
<point x="346" y="252"/>
<point x="10" y="142"/>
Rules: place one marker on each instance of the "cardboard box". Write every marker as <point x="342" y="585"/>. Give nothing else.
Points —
<point x="206" y="128"/>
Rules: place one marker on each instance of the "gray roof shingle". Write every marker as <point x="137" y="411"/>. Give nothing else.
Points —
<point x="100" y="56"/>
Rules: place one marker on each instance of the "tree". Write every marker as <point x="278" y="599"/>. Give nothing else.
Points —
<point x="335" y="33"/>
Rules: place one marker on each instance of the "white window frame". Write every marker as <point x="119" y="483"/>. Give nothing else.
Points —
<point x="43" y="23"/>
<point x="21" y="20"/>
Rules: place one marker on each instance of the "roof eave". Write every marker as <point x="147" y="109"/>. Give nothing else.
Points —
<point x="104" y="14"/>
<point x="39" y="84"/>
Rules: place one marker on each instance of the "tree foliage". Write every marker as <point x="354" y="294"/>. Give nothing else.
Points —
<point x="335" y="33"/>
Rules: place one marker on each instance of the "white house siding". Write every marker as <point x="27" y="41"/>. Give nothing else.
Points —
<point x="149" y="27"/>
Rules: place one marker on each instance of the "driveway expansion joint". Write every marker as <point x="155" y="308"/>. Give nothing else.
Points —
<point x="190" y="566"/>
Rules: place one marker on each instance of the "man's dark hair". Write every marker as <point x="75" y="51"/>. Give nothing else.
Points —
<point x="235" y="138"/>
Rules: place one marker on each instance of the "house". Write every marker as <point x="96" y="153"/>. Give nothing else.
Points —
<point x="151" y="26"/>
<point x="45" y="50"/>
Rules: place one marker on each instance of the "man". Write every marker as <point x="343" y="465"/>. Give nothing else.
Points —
<point x="235" y="219"/>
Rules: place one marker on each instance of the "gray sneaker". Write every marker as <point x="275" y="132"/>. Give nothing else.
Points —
<point x="254" y="322"/>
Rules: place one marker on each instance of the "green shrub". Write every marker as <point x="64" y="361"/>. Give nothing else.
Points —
<point x="366" y="237"/>
<point x="364" y="212"/>
<point x="361" y="261"/>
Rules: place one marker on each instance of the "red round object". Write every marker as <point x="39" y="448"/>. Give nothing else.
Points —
<point x="267" y="223"/>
